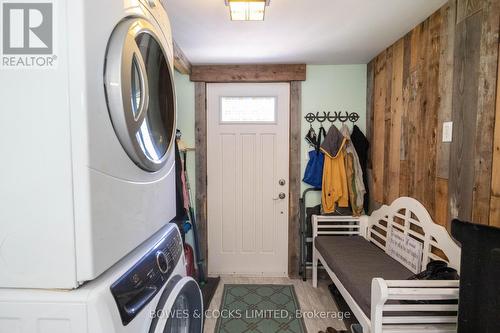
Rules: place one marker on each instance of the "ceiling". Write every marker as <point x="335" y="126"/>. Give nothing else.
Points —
<point x="294" y="31"/>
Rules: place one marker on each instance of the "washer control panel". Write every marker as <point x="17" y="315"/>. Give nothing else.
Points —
<point x="140" y="284"/>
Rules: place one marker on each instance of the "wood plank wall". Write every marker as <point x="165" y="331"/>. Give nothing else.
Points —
<point x="445" y="69"/>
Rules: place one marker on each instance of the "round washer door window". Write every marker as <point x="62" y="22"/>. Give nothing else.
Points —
<point x="180" y="308"/>
<point x="140" y="93"/>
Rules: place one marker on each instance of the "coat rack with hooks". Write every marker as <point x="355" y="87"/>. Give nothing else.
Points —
<point x="332" y="117"/>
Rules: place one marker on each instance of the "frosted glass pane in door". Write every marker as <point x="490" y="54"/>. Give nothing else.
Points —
<point x="248" y="109"/>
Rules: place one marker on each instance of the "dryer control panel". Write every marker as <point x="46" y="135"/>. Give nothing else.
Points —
<point x="140" y="284"/>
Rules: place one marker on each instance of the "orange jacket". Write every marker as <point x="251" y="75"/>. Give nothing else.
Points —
<point x="334" y="187"/>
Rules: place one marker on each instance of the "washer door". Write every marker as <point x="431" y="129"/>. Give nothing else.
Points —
<point x="140" y="93"/>
<point x="180" y="309"/>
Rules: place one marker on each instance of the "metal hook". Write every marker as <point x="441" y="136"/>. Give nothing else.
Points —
<point x="337" y="115"/>
<point x="332" y="118"/>
<point x="343" y="118"/>
<point x="354" y="117"/>
<point x="310" y="118"/>
<point x="321" y="119"/>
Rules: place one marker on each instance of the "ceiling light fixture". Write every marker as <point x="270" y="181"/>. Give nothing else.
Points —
<point x="247" y="10"/>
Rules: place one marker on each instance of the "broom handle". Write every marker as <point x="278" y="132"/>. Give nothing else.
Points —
<point x="199" y="259"/>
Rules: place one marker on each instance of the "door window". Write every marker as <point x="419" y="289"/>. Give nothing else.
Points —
<point x="179" y="323"/>
<point x="248" y="109"/>
<point x="155" y="132"/>
<point x="136" y="91"/>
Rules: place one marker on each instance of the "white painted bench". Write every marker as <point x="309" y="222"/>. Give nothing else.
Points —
<point x="410" y="217"/>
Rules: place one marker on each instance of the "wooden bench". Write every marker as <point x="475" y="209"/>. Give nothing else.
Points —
<point x="359" y="256"/>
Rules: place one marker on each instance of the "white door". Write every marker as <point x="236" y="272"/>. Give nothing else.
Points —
<point x="247" y="160"/>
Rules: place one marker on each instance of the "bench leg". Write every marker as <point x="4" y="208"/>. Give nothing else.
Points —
<point x="315" y="268"/>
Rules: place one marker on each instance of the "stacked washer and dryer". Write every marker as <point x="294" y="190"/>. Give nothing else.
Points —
<point x="88" y="180"/>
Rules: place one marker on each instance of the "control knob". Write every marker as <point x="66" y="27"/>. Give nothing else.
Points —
<point x="162" y="262"/>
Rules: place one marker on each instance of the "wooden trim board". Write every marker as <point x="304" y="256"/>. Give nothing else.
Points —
<point x="200" y="121"/>
<point x="248" y="73"/>
<point x="181" y="62"/>
<point x="294" y="178"/>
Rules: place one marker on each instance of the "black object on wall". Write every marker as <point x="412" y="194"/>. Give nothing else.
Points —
<point x="332" y="117"/>
<point x="479" y="300"/>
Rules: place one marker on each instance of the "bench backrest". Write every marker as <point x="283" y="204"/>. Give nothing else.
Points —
<point x="409" y="217"/>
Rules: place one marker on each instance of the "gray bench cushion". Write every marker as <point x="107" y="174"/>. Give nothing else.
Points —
<point x="355" y="262"/>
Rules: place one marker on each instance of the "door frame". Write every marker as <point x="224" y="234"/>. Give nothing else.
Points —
<point x="293" y="74"/>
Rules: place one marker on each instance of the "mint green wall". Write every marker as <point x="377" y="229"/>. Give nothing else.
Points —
<point x="327" y="88"/>
<point x="332" y="88"/>
<point x="185" y="120"/>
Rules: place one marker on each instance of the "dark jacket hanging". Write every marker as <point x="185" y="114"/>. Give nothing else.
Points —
<point x="362" y="145"/>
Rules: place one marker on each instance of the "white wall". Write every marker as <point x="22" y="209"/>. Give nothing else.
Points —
<point x="327" y="88"/>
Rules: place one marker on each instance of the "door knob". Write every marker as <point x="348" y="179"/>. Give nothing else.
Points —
<point x="280" y="196"/>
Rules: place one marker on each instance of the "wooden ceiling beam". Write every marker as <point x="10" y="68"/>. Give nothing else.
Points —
<point x="181" y="62"/>
<point x="248" y="73"/>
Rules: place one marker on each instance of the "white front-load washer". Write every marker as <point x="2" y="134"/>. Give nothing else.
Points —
<point x="146" y="292"/>
<point x="88" y="166"/>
